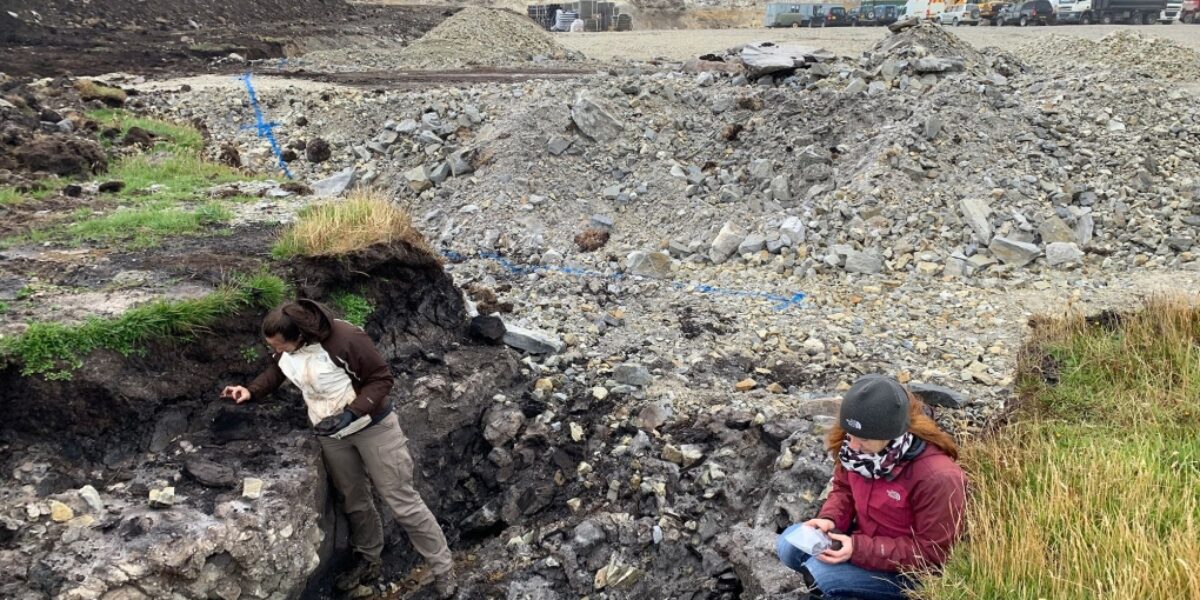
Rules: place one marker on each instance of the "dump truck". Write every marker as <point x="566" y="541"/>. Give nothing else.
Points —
<point x="1190" y="11"/>
<point x="1087" y="12"/>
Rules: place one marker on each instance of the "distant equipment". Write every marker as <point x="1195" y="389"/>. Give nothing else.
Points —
<point x="596" y="16"/>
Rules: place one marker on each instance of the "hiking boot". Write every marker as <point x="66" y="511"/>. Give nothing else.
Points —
<point x="363" y="571"/>
<point x="444" y="585"/>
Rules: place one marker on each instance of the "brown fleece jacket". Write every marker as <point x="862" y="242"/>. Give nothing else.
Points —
<point x="348" y="346"/>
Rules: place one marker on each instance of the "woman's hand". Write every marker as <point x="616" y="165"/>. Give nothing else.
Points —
<point x="825" y="525"/>
<point x="841" y="555"/>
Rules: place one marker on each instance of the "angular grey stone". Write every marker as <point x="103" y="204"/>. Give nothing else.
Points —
<point x="817" y="172"/>
<point x="653" y="415"/>
<point x="531" y="341"/>
<point x="473" y="114"/>
<point x="1055" y="229"/>
<point x="753" y="243"/>
<point x="794" y="229"/>
<point x="611" y="192"/>
<point x="1059" y="254"/>
<point x="335" y="185"/>
<point x="814" y="154"/>
<point x="863" y="262"/>
<point x="387" y="137"/>
<point x="936" y="395"/>
<point x="418" y="178"/>
<point x="430" y="138"/>
<point x="876" y="88"/>
<point x="705" y="79"/>
<point x="931" y="127"/>
<point x="632" y="374"/>
<point x="602" y="221"/>
<point x="780" y="189"/>
<point x="978" y="214"/>
<point x="501" y="425"/>
<point x="587" y="534"/>
<point x="761" y="169"/>
<point x="407" y="126"/>
<point x="1085" y="228"/>
<point x="979" y="262"/>
<point x="1013" y="252"/>
<point x="726" y="243"/>
<point x="558" y="145"/>
<point x="856" y="86"/>
<point x="209" y="473"/>
<point x="649" y="264"/>
<point x="92" y="497"/>
<point x="594" y="120"/>
<point x="440" y="173"/>
<point x="460" y="163"/>
<point x="933" y="64"/>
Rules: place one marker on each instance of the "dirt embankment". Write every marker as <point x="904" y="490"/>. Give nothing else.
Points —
<point x="186" y="36"/>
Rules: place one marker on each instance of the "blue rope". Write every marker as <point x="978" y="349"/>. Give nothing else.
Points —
<point x="782" y="302"/>
<point x="263" y="127"/>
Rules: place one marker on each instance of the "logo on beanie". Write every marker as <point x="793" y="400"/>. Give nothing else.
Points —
<point x="851" y="423"/>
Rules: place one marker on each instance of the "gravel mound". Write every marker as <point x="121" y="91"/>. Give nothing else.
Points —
<point x="1124" y="49"/>
<point x="482" y="37"/>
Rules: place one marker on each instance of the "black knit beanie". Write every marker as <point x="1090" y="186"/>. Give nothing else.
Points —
<point x="875" y="408"/>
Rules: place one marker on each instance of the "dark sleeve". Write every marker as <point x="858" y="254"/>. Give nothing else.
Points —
<point x="839" y="506"/>
<point x="938" y="503"/>
<point x="367" y="366"/>
<point x="268" y="381"/>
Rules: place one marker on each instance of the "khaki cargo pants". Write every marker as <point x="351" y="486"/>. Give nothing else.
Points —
<point x="380" y="453"/>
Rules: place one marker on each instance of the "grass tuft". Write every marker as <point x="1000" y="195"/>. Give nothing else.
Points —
<point x="55" y="350"/>
<point x="170" y="134"/>
<point x="90" y="90"/>
<point x="354" y="308"/>
<point x="139" y="228"/>
<point x="1092" y="491"/>
<point x="340" y="227"/>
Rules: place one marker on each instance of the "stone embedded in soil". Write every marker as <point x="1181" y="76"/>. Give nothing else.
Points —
<point x="92" y="497"/>
<point x="334" y="185"/>
<point x="632" y="374"/>
<point x="162" y="498"/>
<point x="252" y="488"/>
<point x="531" y="341"/>
<point x="936" y="395"/>
<point x="111" y="187"/>
<point x="60" y="513"/>
<point x="1014" y="252"/>
<point x="488" y="328"/>
<point x="594" y="120"/>
<point x="209" y="473"/>
<point x="317" y="151"/>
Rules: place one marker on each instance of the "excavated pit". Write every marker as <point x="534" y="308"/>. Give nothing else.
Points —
<point x="542" y="495"/>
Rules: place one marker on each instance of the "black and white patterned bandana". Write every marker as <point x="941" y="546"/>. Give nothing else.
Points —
<point x="879" y="465"/>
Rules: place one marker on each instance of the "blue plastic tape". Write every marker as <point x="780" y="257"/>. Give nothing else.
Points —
<point x="264" y="128"/>
<point x="782" y="301"/>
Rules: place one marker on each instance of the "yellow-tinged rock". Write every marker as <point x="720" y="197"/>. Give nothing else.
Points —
<point x="746" y="385"/>
<point x="545" y="384"/>
<point x="775" y="388"/>
<point x="60" y="513"/>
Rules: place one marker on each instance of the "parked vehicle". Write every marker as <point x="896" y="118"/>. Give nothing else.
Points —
<point x="868" y="15"/>
<point x="1034" y="12"/>
<point x="988" y="11"/>
<point x="1110" y="11"/>
<point x="837" y="17"/>
<point x="925" y="9"/>
<point x="960" y="14"/>
<point x="1190" y="11"/>
<point x="795" y="15"/>
<point x="1171" y="12"/>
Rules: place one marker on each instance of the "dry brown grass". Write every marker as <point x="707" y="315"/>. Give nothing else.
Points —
<point x="90" y="90"/>
<point x="338" y="227"/>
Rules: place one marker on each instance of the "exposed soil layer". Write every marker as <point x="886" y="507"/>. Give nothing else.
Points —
<point x="158" y="37"/>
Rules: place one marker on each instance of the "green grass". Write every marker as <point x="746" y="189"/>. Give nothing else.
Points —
<point x="55" y="350"/>
<point x="364" y="218"/>
<point x="170" y="134"/>
<point x="182" y="176"/>
<point x="143" y="227"/>
<point x="10" y="196"/>
<point x="1092" y="492"/>
<point x="354" y="308"/>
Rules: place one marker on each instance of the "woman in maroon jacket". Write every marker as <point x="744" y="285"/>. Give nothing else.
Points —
<point x="897" y="498"/>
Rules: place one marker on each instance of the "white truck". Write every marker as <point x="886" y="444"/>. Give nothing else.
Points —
<point x="1087" y="12"/>
<point x="926" y="10"/>
<point x="1171" y="12"/>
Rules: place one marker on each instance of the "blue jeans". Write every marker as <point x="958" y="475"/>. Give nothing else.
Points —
<point x="843" y="580"/>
